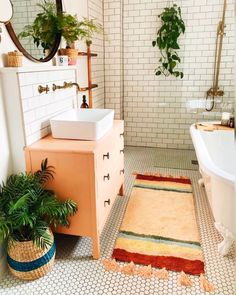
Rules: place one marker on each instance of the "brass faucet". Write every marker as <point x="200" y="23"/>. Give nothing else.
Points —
<point x="42" y="89"/>
<point x="71" y="84"/>
<point x="65" y="86"/>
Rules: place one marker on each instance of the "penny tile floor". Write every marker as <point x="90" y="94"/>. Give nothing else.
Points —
<point x="75" y="272"/>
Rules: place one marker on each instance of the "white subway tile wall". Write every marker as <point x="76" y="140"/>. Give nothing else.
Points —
<point x="113" y="14"/>
<point x="39" y="108"/>
<point x="157" y="110"/>
<point x="95" y="10"/>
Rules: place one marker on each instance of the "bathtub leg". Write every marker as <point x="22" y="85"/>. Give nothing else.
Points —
<point x="228" y="240"/>
<point x="201" y="182"/>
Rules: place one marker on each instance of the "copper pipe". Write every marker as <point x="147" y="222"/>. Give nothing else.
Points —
<point x="90" y="94"/>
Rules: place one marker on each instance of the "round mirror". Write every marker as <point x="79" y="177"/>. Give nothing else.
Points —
<point x="31" y="28"/>
<point x="6" y="11"/>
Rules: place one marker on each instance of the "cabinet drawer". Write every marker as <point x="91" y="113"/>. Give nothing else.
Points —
<point x="104" y="208"/>
<point x="106" y="168"/>
<point x="108" y="178"/>
<point x="107" y="193"/>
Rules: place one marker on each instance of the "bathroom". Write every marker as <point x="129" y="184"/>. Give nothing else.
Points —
<point x="170" y="140"/>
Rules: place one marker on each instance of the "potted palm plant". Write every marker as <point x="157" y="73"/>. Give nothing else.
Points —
<point x="27" y="212"/>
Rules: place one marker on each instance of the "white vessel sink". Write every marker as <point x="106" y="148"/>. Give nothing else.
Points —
<point x="83" y="124"/>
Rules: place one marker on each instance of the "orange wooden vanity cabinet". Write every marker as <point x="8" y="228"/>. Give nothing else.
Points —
<point x="88" y="172"/>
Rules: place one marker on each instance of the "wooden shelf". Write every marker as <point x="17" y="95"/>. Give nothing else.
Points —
<point x="86" y="54"/>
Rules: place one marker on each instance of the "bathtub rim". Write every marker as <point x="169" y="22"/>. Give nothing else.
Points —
<point x="205" y="161"/>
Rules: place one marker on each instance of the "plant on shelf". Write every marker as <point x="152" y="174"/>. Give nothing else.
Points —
<point x="73" y="30"/>
<point x="172" y="26"/>
<point x="49" y="23"/>
<point x="27" y="211"/>
<point x="90" y="27"/>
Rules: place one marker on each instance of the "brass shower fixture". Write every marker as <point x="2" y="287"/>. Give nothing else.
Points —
<point x="214" y="91"/>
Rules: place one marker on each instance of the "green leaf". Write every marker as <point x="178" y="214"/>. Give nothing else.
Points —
<point x="154" y="43"/>
<point x="176" y="74"/>
<point x="158" y="73"/>
<point x="175" y="45"/>
<point x="175" y="57"/>
<point x="172" y="65"/>
<point x="165" y="65"/>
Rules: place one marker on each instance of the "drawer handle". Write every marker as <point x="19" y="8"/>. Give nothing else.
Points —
<point x="122" y="171"/>
<point x="106" y="177"/>
<point x="122" y="151"/>
<point x="107" y="155"/>
<point x="122" y="134"/>
<point x="107" y="202"/>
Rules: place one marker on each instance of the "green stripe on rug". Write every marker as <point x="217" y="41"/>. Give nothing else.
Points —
<point x="158" y="238"/>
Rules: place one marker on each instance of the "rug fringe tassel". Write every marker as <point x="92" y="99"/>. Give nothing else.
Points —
<point x="145" y="271"/>
<point x="184" y="280"/>
<point x="162" y="274"/>
<point x="111" y="265"/>
<point x="135" y="173"/>
<point x="206" y="286"/>
<point x="128" y="269"/>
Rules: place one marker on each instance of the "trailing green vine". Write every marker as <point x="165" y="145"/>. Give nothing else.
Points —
<point x="167" y="41"/>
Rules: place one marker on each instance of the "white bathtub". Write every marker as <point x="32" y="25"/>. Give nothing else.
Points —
<point x="216" y="154"/>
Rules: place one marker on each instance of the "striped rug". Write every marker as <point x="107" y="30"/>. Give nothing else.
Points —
<point x="159" y="226"/>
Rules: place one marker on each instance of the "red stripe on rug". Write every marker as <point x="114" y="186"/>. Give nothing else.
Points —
<point x="193" y="267"/>
<point x="162" y="178"/>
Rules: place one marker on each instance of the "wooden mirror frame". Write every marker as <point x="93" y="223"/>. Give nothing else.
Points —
<point x="16" y="41"/>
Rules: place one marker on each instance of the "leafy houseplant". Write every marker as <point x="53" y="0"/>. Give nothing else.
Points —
<point x="28" y="210"/>
<point x="44" y="27"/>
<point x="167" y="41"/>
<point x="73" y="30"/>
<point x="49" y="22"/>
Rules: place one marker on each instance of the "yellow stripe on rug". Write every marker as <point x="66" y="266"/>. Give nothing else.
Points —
<point x="151" y="248"/>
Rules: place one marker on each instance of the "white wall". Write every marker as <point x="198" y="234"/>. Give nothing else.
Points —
<point x="5" y="158"/>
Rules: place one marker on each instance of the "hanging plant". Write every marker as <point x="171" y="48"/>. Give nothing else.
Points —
<point x="167" y="41"/>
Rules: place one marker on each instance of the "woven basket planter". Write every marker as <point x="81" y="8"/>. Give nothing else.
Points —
<point x="29" y="262"/>
<point x="71" y="53"/>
